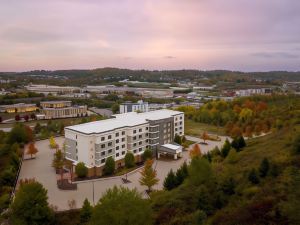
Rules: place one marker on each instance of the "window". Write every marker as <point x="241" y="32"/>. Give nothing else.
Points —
<point x="117" y="148"/>
<point x="109" y="136"/>
<point x="123" y="139"/>
<point x="147" y="128"/>
<point x="181" y="117"/>
<point x="123" y="132"/>
<point x="76" y="150"/>
<point x="175" y="124"/>
<point x="140" y="136"/>
<point x="147" y="135"/>
<point x="117" y="141"/>
<point x="134" y="131"/>
<point x="117" y="134"/>
<point x="109" y="151"/>
<point x="140" y="142"/>
<point x="102" y="138"/>
<point x="109" y="143"/>
<point x="176" y="129"/>
<point x="134" y="151"/>
<point x="180" y="123"/>
<point x="103" y="153"/>
<point x="76" y="136"/>
<point x="140" y="130"/>
<point x="134" y="144"/>
<point x="117" y="155"/>
<point x="102" y="160"/>
<point x="134" y="138"/>
<point x="103" y="146"/>
<point x="140" y="149"/>
<point x="123" y="146"/>
<point x="123" y="153"/>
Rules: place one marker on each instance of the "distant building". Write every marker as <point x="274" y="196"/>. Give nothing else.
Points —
<point x="256" y="91"/>
<point x="51" y="89"/>
<point x="61" y="109"/>
<point x="103" y="112"/>
<point x="144" y="92"/>
<point x="140" y="106"/>
<point x="18" y="108"/>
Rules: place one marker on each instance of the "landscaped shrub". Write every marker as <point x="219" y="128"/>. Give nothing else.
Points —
<point x="147" y="154"/>
<point x="129" y="160"/>
<point x="109" y="167"/>
<point x="81" y="170"/>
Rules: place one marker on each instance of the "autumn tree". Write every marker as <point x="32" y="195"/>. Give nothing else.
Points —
<point x="148" y="175"/>
<point x="32" y="150"/>
<point x="53" y="144"/>
<point x="204" y="136"/>
<point x="29" y="134"/>
<point x="195" y="151"/>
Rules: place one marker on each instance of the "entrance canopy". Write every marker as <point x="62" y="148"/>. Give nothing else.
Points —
<point x="173" y="149"/>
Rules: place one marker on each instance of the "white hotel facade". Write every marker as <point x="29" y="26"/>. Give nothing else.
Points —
<point x="92" y="143"/>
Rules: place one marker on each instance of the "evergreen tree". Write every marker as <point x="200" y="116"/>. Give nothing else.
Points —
<point x="252" y="177"/>
<point x="226" y="148"/>
<point x="274" y="171"/>
<point x="170" y="181"/>
<point x="30" y="206"/>
<point x="241" y="142"/>
<point x="129" y="160"/>
<point x="109" y="167"/>
<point x="179" y="176"/>
<point x="86" y="212"/>
<point x="177" y="139"/>
<point x="183" y="139"/>
<point x="264" y="167"/>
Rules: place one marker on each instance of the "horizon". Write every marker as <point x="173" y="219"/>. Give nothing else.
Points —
<point x="233" y="35"/>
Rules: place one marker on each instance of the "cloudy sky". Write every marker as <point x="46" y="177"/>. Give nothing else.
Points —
<point x="248" y="35"/>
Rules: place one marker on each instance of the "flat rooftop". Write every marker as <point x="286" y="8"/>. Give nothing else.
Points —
<point x="122" y="120"/>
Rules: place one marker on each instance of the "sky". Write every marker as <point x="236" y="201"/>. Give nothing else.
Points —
<point x="245" y="35"/>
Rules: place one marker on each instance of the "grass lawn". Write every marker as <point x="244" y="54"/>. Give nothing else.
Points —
<point x="195" y="129"/>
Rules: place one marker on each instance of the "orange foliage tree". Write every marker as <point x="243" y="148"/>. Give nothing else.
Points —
<point x="32" y="150"/>
<point x="204" y="136"/>
<point x="195" y="151"/>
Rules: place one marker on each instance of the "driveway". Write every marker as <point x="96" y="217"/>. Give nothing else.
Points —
<point x="40" y="169"/>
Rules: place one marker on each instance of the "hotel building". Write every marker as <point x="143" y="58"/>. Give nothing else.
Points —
<point x="92" y="143"/>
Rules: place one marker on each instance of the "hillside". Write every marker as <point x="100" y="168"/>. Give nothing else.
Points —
<point x="227" y="196"/>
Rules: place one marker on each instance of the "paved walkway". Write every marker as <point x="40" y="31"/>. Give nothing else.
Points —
<point x="40" y="169"/>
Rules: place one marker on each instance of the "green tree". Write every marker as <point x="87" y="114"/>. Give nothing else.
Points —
<point x="252" y="177"/>
<point x="148" y="175"/>
<point x="109" y="167"/>
<point x="30" y="205"/>
<point x="81" y="170"/>
<point x="147" y="154"/>
<point x="58" y="162"/>
<point x="115" y="108"/>
<point x="226" y="148"/>
<point x="120" y="205"/>
<point x="177" y="139"/>
<point x="264" y="167"/>
<point x="238" y="143"/>
<point x="17" y="134"/>
<point x="170" y="181"/>
<point x="296" y="145"/>
<point x="129" y="160"/>
<point x="86" y="212"/>
<point x="200" y="171"/>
